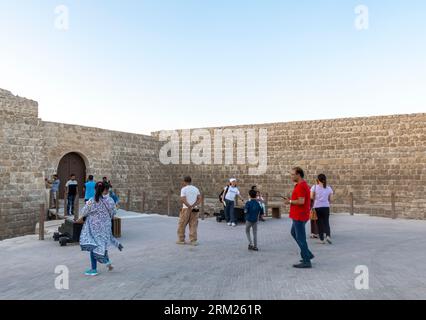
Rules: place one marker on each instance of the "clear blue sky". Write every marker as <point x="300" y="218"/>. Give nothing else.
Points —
<point x="142" y="65"/>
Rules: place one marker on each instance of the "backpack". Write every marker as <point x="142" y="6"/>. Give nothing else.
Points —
<point x="223" y="193"/>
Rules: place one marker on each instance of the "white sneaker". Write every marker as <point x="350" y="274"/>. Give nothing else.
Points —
<point x="328" y="239"/>
<point x="229" y="223"/>
<point x="233" y="224"/>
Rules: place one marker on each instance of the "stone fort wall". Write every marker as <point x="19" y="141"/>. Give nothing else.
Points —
<point x="30" y="149"/>
<point x="21" y="177"/>
<point x="370" y="157"/>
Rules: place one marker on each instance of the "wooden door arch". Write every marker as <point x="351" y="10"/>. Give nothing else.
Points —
<point x="71" y="163"/>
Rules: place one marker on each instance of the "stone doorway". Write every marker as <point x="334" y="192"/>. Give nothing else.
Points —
<point x="71" y="163"/>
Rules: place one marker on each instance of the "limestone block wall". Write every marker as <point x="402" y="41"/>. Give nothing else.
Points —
<point x="136" y="166"/>
<point x="30" y="150"/>
<point x="368" y="156"/>
<point x="17" y="107"/>
<point x="21" y="181"/>
<point x="130" y="161"/>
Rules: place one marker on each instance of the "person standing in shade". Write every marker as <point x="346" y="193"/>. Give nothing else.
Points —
<point x="105" y="179"/>
<point x="321" y="193"/>
<point x="229" y="199"/>
<point x="55" y="188"/>
<point x="114" y="197"/>
<point x="71" y="189"/>
<point x="252" y="211"/>
<point x="299" y="213"/>
<point x="53" y="185"/>
<point x="190" y="197"/>
<point x="89" y="189"/>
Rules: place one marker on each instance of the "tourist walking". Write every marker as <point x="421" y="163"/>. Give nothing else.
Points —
<point x="190" y="197"/>
<point x="252" y="211"/>
<point x="299" y="213"/>
<point x="322" y="193"/>
<point x="229" y="198"/>
<point x="89" y="189"/>
<point x="71" y="190"/>
<point x="96" y="235"/>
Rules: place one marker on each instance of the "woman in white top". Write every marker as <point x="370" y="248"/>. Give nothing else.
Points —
<point x="321" y="195"/>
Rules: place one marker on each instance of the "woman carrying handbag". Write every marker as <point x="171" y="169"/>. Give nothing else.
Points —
<point x="313" y="216"/>
<point x="321" y="195"/>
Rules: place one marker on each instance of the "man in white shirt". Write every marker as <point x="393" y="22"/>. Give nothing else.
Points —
<point x="190" y="197"/>
<point x="71" y="189"/>
<point x="228" y="197"/>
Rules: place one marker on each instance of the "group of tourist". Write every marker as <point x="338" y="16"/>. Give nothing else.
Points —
<point x="96" y="235"/>
<point x="305" y="204"/>
<point x="72" y="191"/>
<point x="96" y="216"/>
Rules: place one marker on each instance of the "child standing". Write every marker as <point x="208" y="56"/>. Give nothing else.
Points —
<point x="252" y="211"/>
<point x="261" y="201"/>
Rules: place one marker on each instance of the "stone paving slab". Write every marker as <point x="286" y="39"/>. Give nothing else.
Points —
<point x="152" y="266"/>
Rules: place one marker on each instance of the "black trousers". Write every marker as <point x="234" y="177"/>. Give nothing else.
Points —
<point x="323" y="221"/>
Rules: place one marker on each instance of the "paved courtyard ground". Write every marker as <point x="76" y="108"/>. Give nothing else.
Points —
<point x="152" y="266"/>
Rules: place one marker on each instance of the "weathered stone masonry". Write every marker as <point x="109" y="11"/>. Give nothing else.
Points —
<point x="370" y="157"/>
<point x="30" y="149"/>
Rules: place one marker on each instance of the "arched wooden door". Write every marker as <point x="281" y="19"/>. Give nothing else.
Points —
<point x="71" y="163"/>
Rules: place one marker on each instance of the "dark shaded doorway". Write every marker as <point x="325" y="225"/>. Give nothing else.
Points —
<point x="71" y="163"/>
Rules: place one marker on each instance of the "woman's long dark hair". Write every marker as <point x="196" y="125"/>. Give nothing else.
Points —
<point x="101" y="186"/>
<point x="323" y="179"/>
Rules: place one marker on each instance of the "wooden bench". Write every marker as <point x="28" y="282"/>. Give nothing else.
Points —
<point x="276" y="212"/>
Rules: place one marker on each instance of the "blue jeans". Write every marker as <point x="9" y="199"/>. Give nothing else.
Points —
<point x="70" y="204"/>
<point x="229" y="211"/>
<point x="93" y="261"/>
<point x="299" y="234"/>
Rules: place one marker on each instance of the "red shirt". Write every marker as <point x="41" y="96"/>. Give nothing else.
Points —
<point x="301" y="213"/>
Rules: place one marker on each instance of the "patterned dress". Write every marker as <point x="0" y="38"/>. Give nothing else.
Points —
<point x="96" y="235"/>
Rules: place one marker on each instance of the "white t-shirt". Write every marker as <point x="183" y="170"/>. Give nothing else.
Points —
<point x="321" y="196"/>
<point x="232" y="193"/>
<point x="191" y="193"/>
